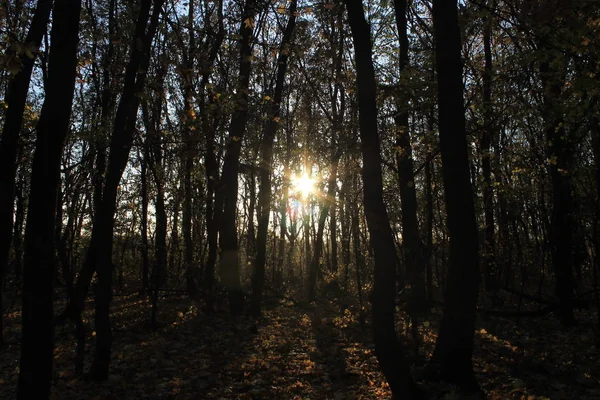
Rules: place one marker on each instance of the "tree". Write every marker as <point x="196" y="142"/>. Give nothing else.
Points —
<point x="101" y="246"/>
<point x="452" y="358"/>
<point x="413" y="256"/>
<point x="389" y="353"/>
<point x="266" y="162"/>
<point x="228" y="192"/>
<point x="560" y="143"/>
<point x="16" y="98"/>
<point x="489" y="245"/>
<point x="37" y="344"/>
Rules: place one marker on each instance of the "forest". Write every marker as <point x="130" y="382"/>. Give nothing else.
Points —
<point x="300" y="199"/>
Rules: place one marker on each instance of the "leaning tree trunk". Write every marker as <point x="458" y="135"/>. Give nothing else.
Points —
<point x="108" y="98"/>
<point x="37" y="343"/>
<point x="387" y="348"/>
<point x="101" y="246"/>
<point x="452" y="357"/>
<point x="228" y="241"/>
<point x="266" y="161"/>
<point x="16" y="98"/>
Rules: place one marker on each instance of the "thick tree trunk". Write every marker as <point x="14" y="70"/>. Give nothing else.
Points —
<point x="228" y="240"/>
<point x="266" y="161"/>
<point x="37" y="343"/>
<point x="561" y="153"/>
<point x="452" y="357"/>
<point x="387" y="348"/>
<point x="16" y="97"/>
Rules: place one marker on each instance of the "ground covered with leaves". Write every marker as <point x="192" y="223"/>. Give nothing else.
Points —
<point x="301" y="351"/>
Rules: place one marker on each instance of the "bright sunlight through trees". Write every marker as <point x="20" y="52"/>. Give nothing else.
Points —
<point x="303" y="185"/>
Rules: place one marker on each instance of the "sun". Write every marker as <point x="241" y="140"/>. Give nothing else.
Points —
<point x="303" y="185"/>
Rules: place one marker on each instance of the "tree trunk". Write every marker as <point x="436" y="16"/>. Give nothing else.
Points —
<point x="489" y="245"/>
<point x="189" y="152"/>
<point x="213" y="209"/>
<point x="561" y="153"/>
<point x="16" y="98"/>
<point x="411" y="240"/>
<point x="228" y="241"/>
<point x="144" y="218"/>
<point x="328" y="202"/>
<point x="75" y="304"/>
<point x="387" y="348"/>
<point x="266" y="161"/>
<point x="452" y="357"/>
<point x="101" y="245"/>
<point x="37" y="344"/>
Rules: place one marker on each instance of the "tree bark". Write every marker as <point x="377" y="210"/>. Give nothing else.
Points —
<point x="452" y="357"/>
<point x="561" y="154"/>
<point x="16" y="98"/>
<point x="411" y="240"/>
<point x="37" y="343"/>
<point x="266" y="161"/>
<point x="489" y="245"/>
<point x="387" y="348"/>
<point x="101" y="246"/>
<point x="228" y="240"/>
<point x="213" y="208"/>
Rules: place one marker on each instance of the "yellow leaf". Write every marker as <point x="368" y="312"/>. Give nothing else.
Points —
<point x="281" y="9"/>
<point x="276" y="119"/>
<point x="236" y="138"/>
<point x="249" y="23"/>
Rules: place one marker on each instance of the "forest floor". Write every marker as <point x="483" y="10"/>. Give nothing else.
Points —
<point x="301" y="351"/>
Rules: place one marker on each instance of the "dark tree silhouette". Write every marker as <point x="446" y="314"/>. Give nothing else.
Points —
<point x="389" y="353"/>
<point x="228" y="241"/>
<point x="266" y="161"/>
<point x="452" y="357"/>
<point x="37" y="344"/>
<point x="16" y="97"/>
<point x="101" y="246"/>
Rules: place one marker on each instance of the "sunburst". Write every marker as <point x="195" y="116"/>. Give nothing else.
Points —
<point x="303" y="185"/>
